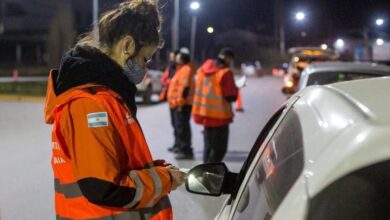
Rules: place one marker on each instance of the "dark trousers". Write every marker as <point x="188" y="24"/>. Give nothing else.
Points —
<point x="173" y="111"/>
<point x="215" y="143"/>
<point x="183" y="129"/>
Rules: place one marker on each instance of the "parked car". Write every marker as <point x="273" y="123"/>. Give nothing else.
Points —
<point x="332" y="72"/>
<point x="150" y="85"/>
<point x="301" y="57"/>
<point x="252" y="69"/>
<point x="324" y="155"/>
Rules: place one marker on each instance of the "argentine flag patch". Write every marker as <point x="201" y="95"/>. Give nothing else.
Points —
<point x="97" y="119"/>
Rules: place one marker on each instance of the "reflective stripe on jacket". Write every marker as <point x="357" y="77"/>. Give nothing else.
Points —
<point x="208" y="99"/>
<point x="182" y="80"/>
<point x="95" y="137"/>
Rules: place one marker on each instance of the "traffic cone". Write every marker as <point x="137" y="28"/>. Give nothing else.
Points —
<point x="15" y="75"/>
<point x="239" y="107"/>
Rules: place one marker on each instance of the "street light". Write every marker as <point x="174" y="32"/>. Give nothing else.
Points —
<point x="194" y="7"/>
<point x="324" y="46"/>
<point x="210" y="30"/>
<point x="339" y="44"/>
<point x="300" y="16"/>
<point x="380" y="42"/>
<point x="379" y="22"/>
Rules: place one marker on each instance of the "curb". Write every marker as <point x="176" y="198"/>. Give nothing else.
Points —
<point x="22" y="98"/>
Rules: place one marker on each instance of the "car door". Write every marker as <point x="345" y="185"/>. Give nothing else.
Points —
<point x="276" y="165"/>
<point x="264" y="136"/>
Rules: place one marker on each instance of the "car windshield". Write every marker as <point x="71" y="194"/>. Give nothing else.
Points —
<point x="323" y="78"/>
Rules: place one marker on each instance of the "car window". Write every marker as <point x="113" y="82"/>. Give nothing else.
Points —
<point x="253" y="153"/>
<point x="276" y="171"/>
<point x="363" y="194"/>
<point x="323" y="78"/>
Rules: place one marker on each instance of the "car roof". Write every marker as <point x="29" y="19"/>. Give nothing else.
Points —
<point x="348" y="66"/>
<point x="346" y="127"/>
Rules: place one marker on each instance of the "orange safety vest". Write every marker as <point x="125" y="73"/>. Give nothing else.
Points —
<point x="182" y="79"/>
<point x="152" y="183"/>
<point x="208" y="99"/>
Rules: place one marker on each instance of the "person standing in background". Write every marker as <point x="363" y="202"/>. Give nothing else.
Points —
<point x="180" y="98"/>
<point x="215" y="90"/>
<point x="165" y="80"/>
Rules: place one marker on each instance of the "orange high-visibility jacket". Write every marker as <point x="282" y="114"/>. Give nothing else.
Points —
<point x="208" y="99"/>
<point x="95" y="136"/>
<point x="183" y="78"/>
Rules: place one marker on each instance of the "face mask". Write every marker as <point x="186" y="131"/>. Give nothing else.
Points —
<point x="134" y="71"/>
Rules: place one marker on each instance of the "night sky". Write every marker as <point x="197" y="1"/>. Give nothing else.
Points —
<point x="325" y="18"/>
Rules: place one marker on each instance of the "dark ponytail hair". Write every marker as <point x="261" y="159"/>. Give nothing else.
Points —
<point x="139" y="18"/>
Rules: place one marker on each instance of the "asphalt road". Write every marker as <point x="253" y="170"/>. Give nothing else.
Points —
<point x="26" y="185"/>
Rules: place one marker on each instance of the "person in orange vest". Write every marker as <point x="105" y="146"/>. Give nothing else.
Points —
<point x="215" y="90"/>
<point x="165" y="80"/>
<point x="168" y="74"/>
<point x="180" y="97"/>
<point x="102" y="165"/>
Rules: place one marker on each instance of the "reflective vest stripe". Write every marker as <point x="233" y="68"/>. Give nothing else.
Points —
<point x="138" y="187"/>
<point x="213" y="107"/>
<point x="141" y="214"/>
<point x="157" y="186"/>
<point x="71" y="204"/>
<point x="70" y="190"/>
<point x="208" y="99"/>
<point x="182" y="79"/>
<point x="210" y="95"/>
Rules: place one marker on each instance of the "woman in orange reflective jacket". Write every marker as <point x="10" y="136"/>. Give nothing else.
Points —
<point x="102" y="165"/>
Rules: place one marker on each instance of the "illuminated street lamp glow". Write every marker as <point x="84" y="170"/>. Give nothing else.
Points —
<point x="324" y="46"/>
<point x="195" y="5"/>
<point x="210" y="30"/>
<point x="379" y="22"/>
<point x="380" y="42"/>
<point x="340" y="44"/>
<point x="300" y="16"/>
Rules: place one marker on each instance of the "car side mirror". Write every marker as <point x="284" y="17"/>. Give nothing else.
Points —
<point x="207" y="179"/>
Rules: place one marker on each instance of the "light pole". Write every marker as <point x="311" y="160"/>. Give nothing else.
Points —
<point x="194" y="7"/>
<point x="95" y="9"/>
<point x="175" y="26"/>
<point x="366" y="35"/>
<point x="299" y="16"/>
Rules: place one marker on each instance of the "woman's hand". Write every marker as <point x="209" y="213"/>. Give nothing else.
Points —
<point x="178" y="177"/>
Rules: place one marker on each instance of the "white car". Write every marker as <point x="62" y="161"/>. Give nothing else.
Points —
<point x="324" y="155"/>
<point x="331" y="72"/>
